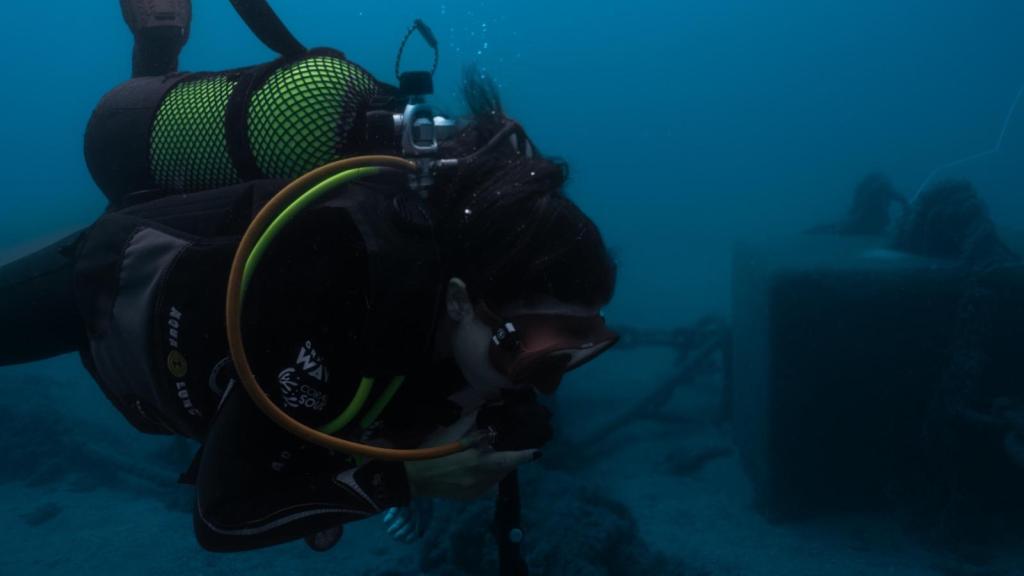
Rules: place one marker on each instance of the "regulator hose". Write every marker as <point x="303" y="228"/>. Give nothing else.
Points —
<point x="275" y="214"/>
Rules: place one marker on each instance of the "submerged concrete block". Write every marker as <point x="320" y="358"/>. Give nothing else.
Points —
<point x="841" y="348"/>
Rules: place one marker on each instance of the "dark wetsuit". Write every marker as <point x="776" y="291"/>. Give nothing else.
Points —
<point x="305" y="312"/>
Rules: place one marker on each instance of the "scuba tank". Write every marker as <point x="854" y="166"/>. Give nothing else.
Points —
<point x="186" y="132"/>
<point x="198" y="131"/>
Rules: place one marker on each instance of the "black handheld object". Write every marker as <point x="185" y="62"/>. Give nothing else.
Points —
<point x="268" y="27"/>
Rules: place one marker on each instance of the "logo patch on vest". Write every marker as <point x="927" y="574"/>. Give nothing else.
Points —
<point x="177" y="364"/>
<point x="309" y="361"/>
<point x="297" y="391"/>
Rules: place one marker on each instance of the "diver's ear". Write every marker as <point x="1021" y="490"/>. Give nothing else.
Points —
<point x="457" y="301"/>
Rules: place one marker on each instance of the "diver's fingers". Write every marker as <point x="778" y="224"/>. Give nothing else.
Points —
<point x="394" y="530"/>
<point x="507" y="461"/>
<point x="398" y="525"/>
<point x="405" y="533"/>
<point x="396" y="514"/>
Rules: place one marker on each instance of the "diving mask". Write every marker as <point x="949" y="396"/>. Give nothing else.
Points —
<point x="538" y="349"/>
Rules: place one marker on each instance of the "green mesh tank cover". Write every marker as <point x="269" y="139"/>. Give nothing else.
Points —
<point x="300" y="116"/>
<point x="189" y="149"/>
<point x="298" y="119"/>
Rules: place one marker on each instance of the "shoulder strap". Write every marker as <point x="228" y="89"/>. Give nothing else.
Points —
<point x="268" y="27"/>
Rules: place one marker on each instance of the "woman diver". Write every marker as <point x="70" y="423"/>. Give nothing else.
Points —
<point x="388" y="317"/>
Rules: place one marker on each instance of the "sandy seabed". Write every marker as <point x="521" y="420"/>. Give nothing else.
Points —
<point x="81" y="493"/>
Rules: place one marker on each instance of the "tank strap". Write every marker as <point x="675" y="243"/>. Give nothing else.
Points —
<point x="268" y="27"/>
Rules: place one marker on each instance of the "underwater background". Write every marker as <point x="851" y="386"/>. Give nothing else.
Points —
<point x="687" y="127"/>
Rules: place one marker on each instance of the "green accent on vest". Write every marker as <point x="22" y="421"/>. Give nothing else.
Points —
<point x="362" y="393"/>
<point x="382" y="402"/>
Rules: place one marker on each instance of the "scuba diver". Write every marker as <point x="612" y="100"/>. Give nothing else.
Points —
<point x="347" y="299"/>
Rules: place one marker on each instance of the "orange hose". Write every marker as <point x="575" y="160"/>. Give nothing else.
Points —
<point x="281" y="200"/>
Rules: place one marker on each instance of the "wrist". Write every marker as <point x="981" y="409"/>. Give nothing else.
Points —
<point x="386" y="483"/>
<point x="408" y="481"/>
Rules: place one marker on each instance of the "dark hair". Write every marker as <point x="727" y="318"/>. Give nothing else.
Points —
<point x="504" y="223"/>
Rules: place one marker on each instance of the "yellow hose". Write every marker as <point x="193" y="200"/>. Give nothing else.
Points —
<point x="279" y="202"/>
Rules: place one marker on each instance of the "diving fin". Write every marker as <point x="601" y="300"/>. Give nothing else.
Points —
<point x="147" y="14"/>
<point x="161" y="29"/>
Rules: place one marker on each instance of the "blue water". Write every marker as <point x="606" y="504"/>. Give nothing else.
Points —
<point x="686" y="125"/>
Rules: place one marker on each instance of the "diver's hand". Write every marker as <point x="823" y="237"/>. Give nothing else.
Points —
<point x="408" y="523"/>
<point x="465" y="475"/>
<point x="468" y="474"/>
<point x="518" y="425"/>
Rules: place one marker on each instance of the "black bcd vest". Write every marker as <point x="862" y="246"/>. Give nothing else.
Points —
<point x="151" y="279"/>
